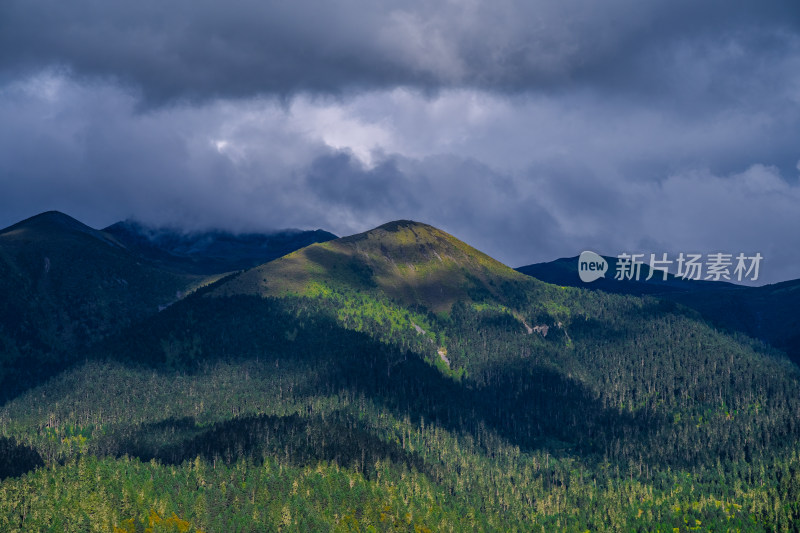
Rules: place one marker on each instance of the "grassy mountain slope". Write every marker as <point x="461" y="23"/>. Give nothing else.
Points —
<point x="412" y="263"/>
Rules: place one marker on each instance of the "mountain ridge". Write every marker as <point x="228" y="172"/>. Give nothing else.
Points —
<point x="65" y="286"/>
<point x="211" y="251"/>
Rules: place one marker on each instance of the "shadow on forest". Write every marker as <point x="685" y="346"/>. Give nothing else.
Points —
<point x="35" y="365"/>
<point x="292" y="438"/>
<point x="17" y="459"/>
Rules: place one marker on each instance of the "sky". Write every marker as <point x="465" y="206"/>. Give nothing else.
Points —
<point x="530" y="129"/>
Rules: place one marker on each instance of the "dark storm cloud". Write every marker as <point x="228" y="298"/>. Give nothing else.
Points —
<point x="206" y="49"/>
<point x="531" y="130"/>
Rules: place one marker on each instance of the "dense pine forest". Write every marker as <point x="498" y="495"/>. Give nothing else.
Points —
<point x="344" y="399"/>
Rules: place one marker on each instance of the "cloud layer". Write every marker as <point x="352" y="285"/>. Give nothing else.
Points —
<point x="531" y="130"/>
<point x="210" y="49"/>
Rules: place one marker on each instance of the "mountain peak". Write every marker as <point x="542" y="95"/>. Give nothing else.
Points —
<point x="408" y="261"/>
<point x="48" y="218"/>
<point x="396" y="225"/>
<point x="53" y="224"/>
<point x="385" y="231"/>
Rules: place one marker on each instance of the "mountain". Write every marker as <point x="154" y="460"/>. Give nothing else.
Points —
<point x="63" y="286"/>
<point x="769" y="313"/>
<point x="401" y="380"/>
<point x="210" y="252"/>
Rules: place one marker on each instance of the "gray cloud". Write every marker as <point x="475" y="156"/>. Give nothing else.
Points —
<point x="531" y="130"/>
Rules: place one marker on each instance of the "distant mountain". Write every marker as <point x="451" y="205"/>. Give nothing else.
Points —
<point x="210" y="252"/>
<point x="410" y="262"/>
<point x="770" y="313"/>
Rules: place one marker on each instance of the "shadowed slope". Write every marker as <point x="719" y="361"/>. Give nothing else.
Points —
<point x="63" y="286"/>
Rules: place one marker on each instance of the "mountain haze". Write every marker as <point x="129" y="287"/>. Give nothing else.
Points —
<point x="210" y="252"/>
